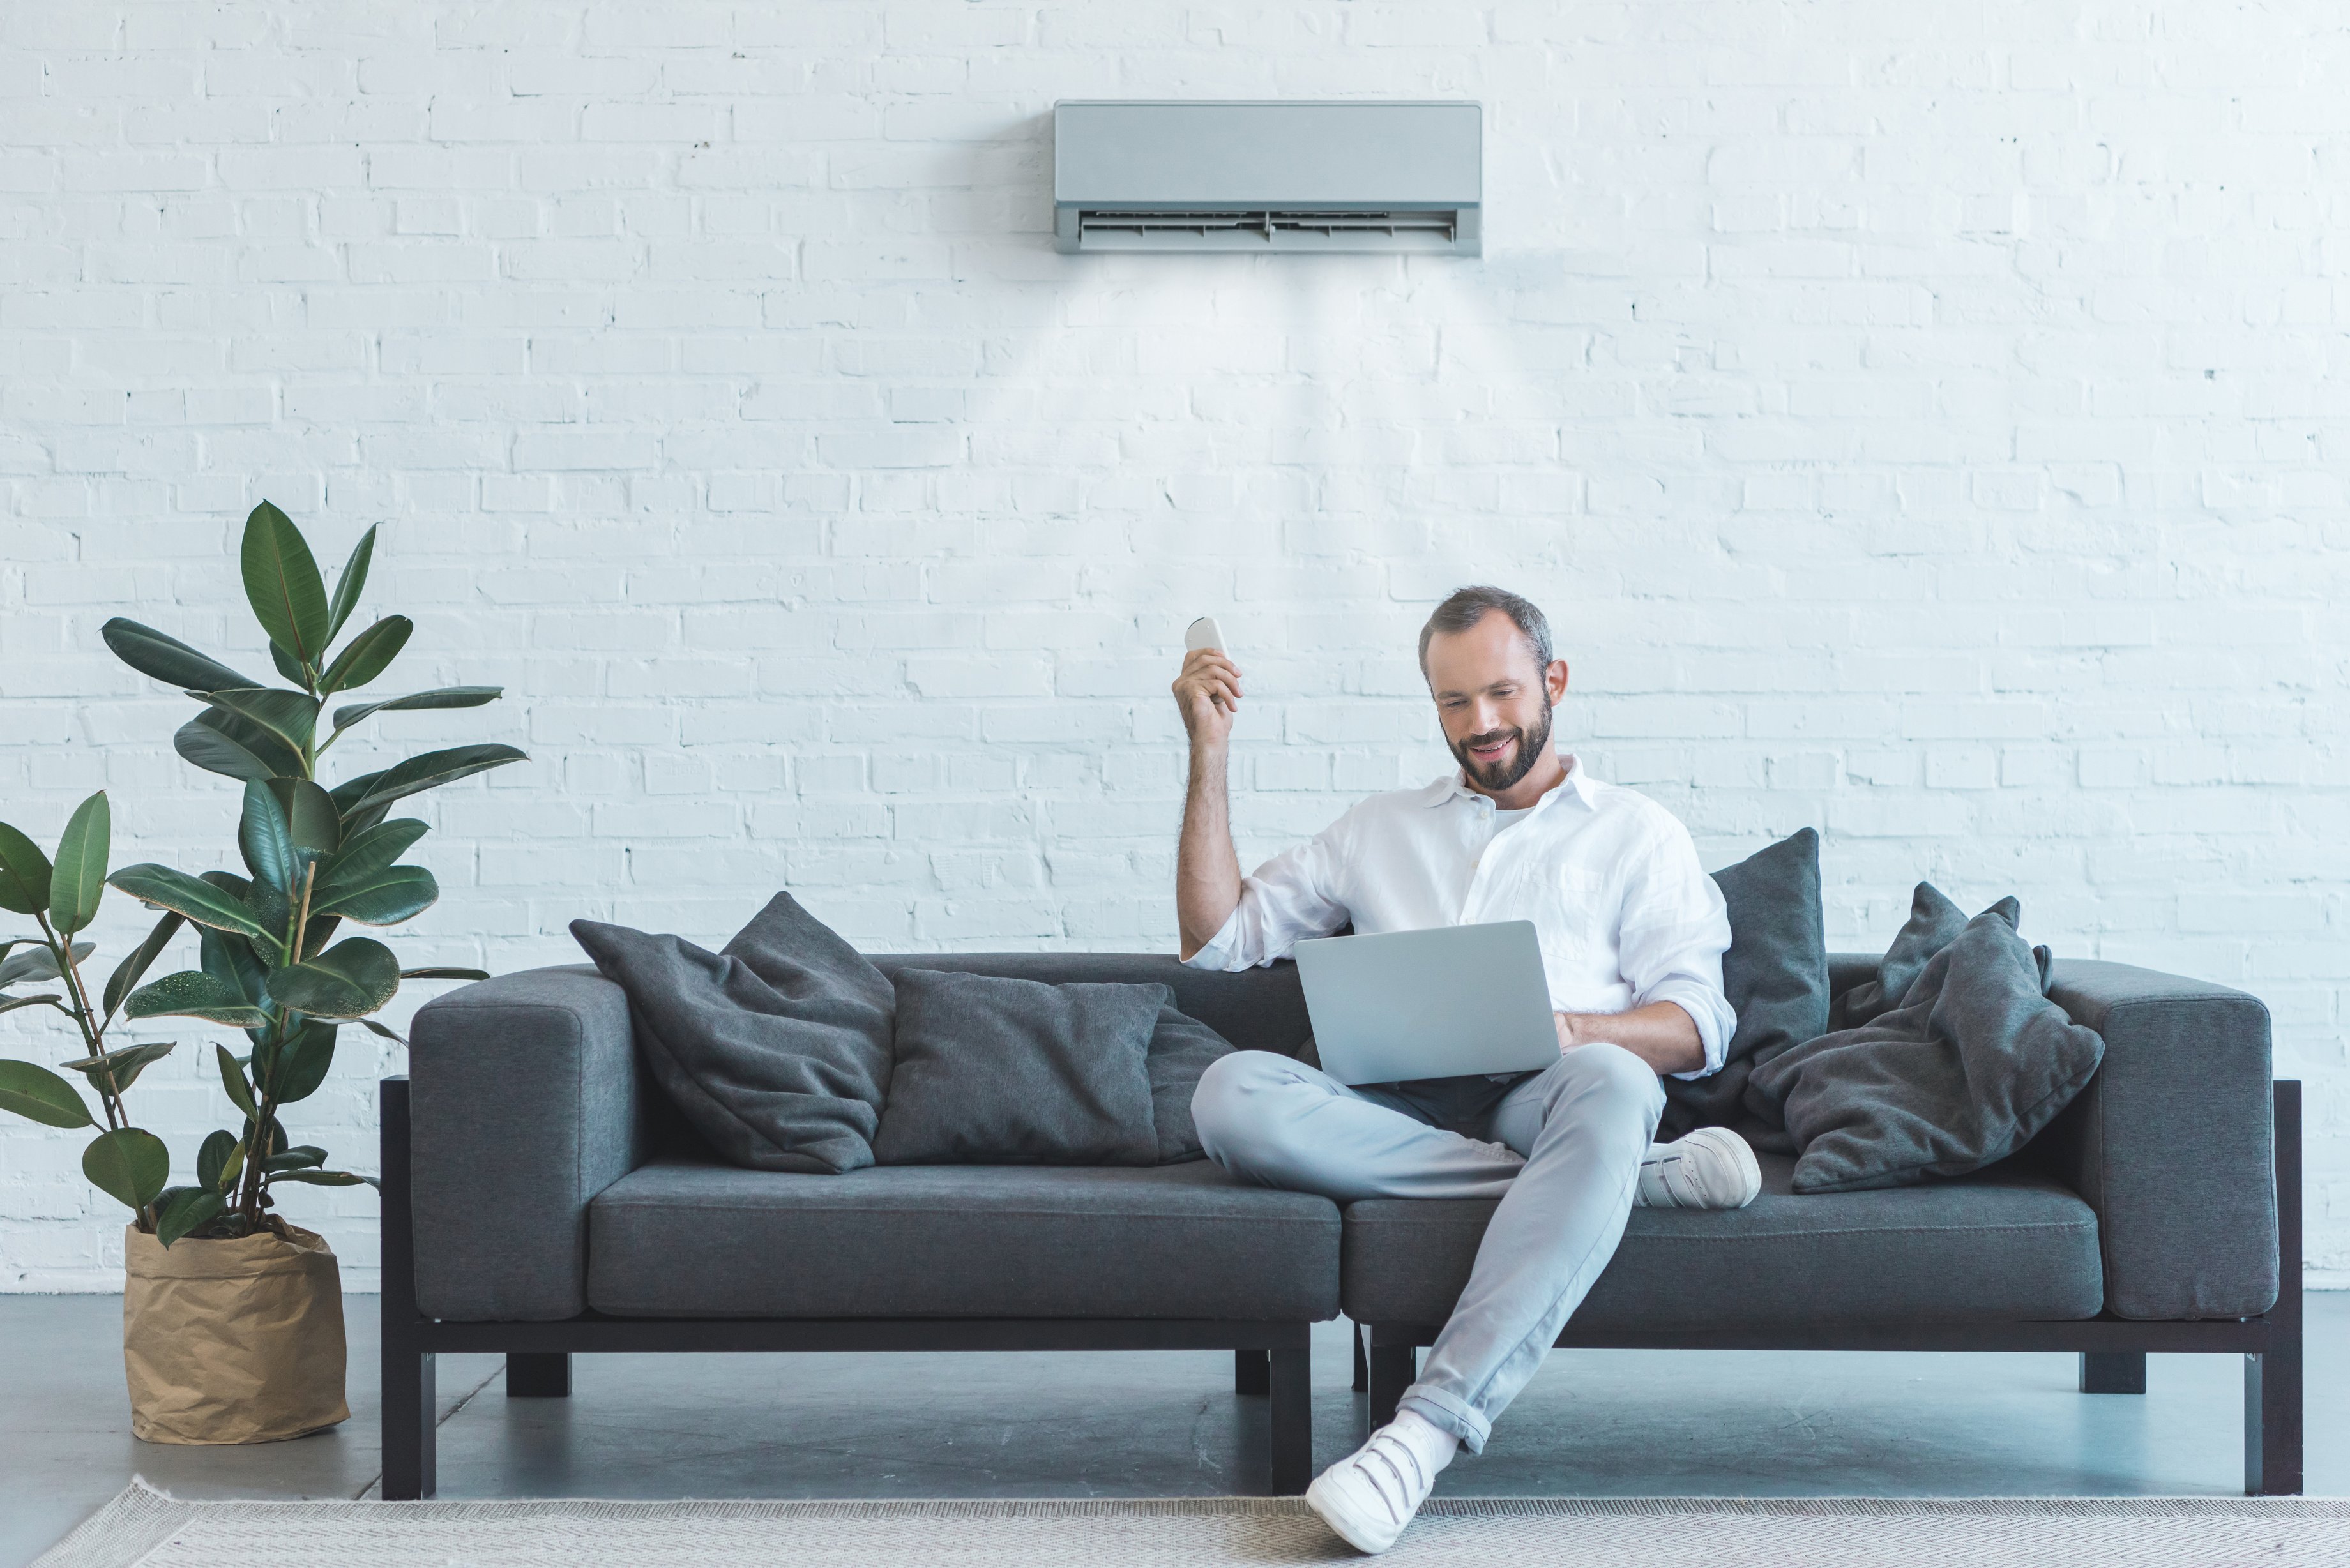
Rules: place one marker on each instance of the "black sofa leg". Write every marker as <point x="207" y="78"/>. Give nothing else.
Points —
<point x="534" y="1375"/>
<point x="2272" y="1379"/>
<point x="1252" y="1372"/>
<point x="409" y="1398"/>
<point x="1362" y="1366"/>
<point x="2112" y="1372"/>
<point x="410" y="1394"/>
<point x="1291" y="1385"/>
<point x="1392" y="1368"/>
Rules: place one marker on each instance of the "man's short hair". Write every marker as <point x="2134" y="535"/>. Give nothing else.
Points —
<point x="1464" y="607"/>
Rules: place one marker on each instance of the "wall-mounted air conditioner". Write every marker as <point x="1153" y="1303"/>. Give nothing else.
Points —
<point x="1253" y="176"/>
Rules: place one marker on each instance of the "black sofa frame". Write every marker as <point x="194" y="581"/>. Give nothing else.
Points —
<point x="1270" y="1359"/>
<point x="1274" y="1358"/>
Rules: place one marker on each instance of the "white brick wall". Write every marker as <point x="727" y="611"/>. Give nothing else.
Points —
<point x="1927" y="423"/>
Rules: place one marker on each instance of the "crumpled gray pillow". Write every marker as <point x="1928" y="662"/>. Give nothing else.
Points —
<point x="775" y="1049"/>
<point x="1967" y="1068"/>
<point x="996" y="1071"/>
<point x="1934" y="923"/>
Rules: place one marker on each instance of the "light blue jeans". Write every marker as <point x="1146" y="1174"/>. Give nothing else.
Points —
<point x="1561" y="1148"/>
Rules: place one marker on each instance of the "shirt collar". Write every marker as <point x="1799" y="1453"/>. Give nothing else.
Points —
<point x="1455" y="786"/>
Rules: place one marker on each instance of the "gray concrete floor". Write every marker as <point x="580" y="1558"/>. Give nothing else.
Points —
<point x="1598" y="1423"/>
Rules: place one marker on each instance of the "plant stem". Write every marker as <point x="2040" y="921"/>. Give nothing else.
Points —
<point x="93" y="1035"/>
<point x="302" y="921"/>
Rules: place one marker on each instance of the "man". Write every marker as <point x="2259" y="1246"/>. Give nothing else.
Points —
<point x="1632" y="933"/>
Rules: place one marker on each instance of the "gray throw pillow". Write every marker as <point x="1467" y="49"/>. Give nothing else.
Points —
<point x="775" y="1049"/>
<point x="992" y="1071"/>
<point x="1970" y="1066"/>
<point x="1775" y="975"/>
<point x="1934" y="923"/>
<point x="1181" y="1047"/>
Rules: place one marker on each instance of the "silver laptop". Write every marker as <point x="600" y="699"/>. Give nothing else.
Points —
<point x="1428" y="1004"/>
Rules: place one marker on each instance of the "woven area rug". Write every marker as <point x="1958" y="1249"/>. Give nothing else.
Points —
<point x="152" y="1529"/>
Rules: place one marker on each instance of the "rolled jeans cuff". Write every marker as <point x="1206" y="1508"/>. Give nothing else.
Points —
<point x="1440" y="1408"/>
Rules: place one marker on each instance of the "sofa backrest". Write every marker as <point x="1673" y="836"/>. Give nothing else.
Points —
<point x="1256" y="1010"/>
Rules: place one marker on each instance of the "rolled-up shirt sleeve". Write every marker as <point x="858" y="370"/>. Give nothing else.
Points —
<point x="1288" y="898"/>
<point x="1675" y="929"/>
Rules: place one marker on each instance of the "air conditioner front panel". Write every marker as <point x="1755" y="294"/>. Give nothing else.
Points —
<point x="1267" y="176"/>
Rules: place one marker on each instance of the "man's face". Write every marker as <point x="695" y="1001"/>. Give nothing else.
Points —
<point x="1493" y="701"/>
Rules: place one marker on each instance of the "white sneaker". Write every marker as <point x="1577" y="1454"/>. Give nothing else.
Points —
<point x="1709" y="1169"/>
<point x="1371" y="1494"/>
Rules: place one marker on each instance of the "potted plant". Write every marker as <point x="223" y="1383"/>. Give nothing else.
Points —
<point x="239" y="1337"/>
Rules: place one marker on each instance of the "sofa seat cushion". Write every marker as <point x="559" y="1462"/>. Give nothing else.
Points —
<point x="2002" y="1246"/>
<point x="676" y="1239"/>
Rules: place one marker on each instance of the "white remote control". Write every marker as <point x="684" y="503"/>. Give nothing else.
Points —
<point x="1204" y="633"/>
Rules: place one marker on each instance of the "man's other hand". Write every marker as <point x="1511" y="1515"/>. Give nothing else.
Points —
<point x="1207" y="692"/>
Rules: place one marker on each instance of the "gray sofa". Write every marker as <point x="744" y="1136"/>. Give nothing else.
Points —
<point x="541" y="1200"/>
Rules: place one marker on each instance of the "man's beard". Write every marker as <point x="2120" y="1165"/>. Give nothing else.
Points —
<point x="1501" y="777"/>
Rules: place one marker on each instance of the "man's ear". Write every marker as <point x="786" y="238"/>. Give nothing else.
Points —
<point x="1554" y="680"/>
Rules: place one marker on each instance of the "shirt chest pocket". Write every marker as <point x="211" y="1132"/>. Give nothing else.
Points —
<point x="1572" y="913"/>
<point x="1567" y="904"/>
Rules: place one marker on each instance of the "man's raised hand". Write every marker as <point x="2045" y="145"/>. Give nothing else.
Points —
<point x="1207" y="692"/>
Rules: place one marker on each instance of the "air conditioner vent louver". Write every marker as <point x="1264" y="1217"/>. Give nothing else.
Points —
<point x="1207" y="229"/>
<point x="1268" y="177"/>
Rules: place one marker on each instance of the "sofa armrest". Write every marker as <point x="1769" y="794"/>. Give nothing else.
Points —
<point x="2172" y="1141"/>
<point x="523" y="1106"/>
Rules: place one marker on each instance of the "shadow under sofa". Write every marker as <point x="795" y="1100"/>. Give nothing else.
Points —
<point x="541" y="1200"/>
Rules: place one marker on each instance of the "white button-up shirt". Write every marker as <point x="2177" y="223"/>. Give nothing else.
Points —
<point x="1623" y="912"/>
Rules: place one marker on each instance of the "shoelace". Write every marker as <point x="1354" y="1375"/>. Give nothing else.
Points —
<point x="1378" y="1449"/>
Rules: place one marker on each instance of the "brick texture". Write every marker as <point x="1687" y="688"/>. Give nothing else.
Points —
<point x="1928" y="423"/>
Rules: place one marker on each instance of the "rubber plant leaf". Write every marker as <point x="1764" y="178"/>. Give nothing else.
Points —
<point x="240" y="1092"/>
<point x="32" y="1091"/>
<point x="368" y="655"/>
<point x="349" y="979"/>
<point x="311" y="813"/>
<point x="348" y="586"/>
<point x="371" y="851"/>
<point x="282" y="584"/>
<point x="193" y="993"/>
<point x="291" y="716"/>
<point x="188" y="1209"/>
<point x="382" y="898"/>
<point x="23" y="872"/>
<point x="128" y="1164"/>
<point x="439" y="697"/>
<point x="230" y="958"/>
<point x="199" y="900"/>
<point x="167" y="658"/>
<point x="428" y="771"/>
<point x="128" y="972"/>
<point x="79" y="881"/>
<point x="220" y="742"/>
<point x="116" y="1070"/>
<point x="39" y="962"/>
<point x="302" y="1065"/>
<point x="212" y="1159"/>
